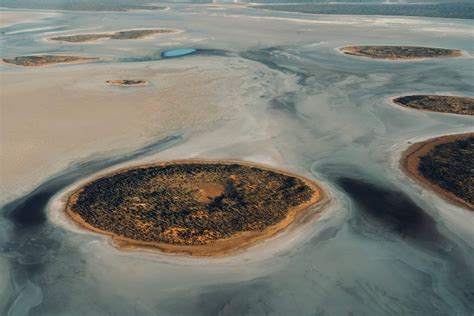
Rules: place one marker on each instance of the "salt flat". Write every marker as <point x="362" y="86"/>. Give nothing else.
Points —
<point x="265" y="87"/>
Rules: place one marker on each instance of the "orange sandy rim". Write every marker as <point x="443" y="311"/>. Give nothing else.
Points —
<point x="411" y="159"/>
<point x="237" y="242"/>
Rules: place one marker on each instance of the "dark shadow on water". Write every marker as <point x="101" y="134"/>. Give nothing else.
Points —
<point x="393" y="209"/>
<point x="384" y="210"/>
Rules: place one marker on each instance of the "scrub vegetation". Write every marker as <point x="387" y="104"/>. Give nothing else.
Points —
<point x="189" y="203"/>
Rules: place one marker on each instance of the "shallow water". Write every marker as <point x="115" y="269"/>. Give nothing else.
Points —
<point x="383" y="247"/>
<point x="178" y="52"/>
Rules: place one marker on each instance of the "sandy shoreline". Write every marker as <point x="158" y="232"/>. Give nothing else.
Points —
<point x="410" y="160"/>
<point x="221" y="247"/>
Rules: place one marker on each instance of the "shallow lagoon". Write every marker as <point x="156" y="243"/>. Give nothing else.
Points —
<point x="178" y="52"/>
<point x="384" y="246"/>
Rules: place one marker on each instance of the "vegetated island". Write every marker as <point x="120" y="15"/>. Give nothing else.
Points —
<point x="201" y="208"/>
<point x="400" y="52"/>
<point x="45" y="60"/>
<point x="121" y="35"/>
<point x="127" y="82"/>
<point x="438" y="103"/>
<point x="446" y="165"/>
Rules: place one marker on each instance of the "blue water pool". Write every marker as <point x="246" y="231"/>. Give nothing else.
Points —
<point x="178" y="52"/>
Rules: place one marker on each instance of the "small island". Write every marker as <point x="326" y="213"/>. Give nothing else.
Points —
<point x="400" y="52"/>
<point x="202" y="208"/>
<point x="446" y="165"/>
<point x="121" y="35"/>
<point x="45" y="60"/>
<point x="127" y="82"/>
<point x="438" y="103"/>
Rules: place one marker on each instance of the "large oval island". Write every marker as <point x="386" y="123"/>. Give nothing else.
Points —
<point x="202" y="208"/>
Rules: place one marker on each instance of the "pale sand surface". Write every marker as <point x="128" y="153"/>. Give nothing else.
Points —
<point x="8" y="18"/>
<point x="411" y="159"/>
<point x="237" y="242"/>
<point x="72" y="113"/>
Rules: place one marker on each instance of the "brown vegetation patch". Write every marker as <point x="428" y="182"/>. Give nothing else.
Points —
<point x="196" y="207"/>
<point x="400" y="52"/>
<point x="121" y="35"/>
<point x="445" y="165"/>
<point x="45" y="60"/>
<point x="438" y="103"/>
<point x="127" y="82"/>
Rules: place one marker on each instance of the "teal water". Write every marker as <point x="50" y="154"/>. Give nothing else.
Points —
<point x="178" y="52"/>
